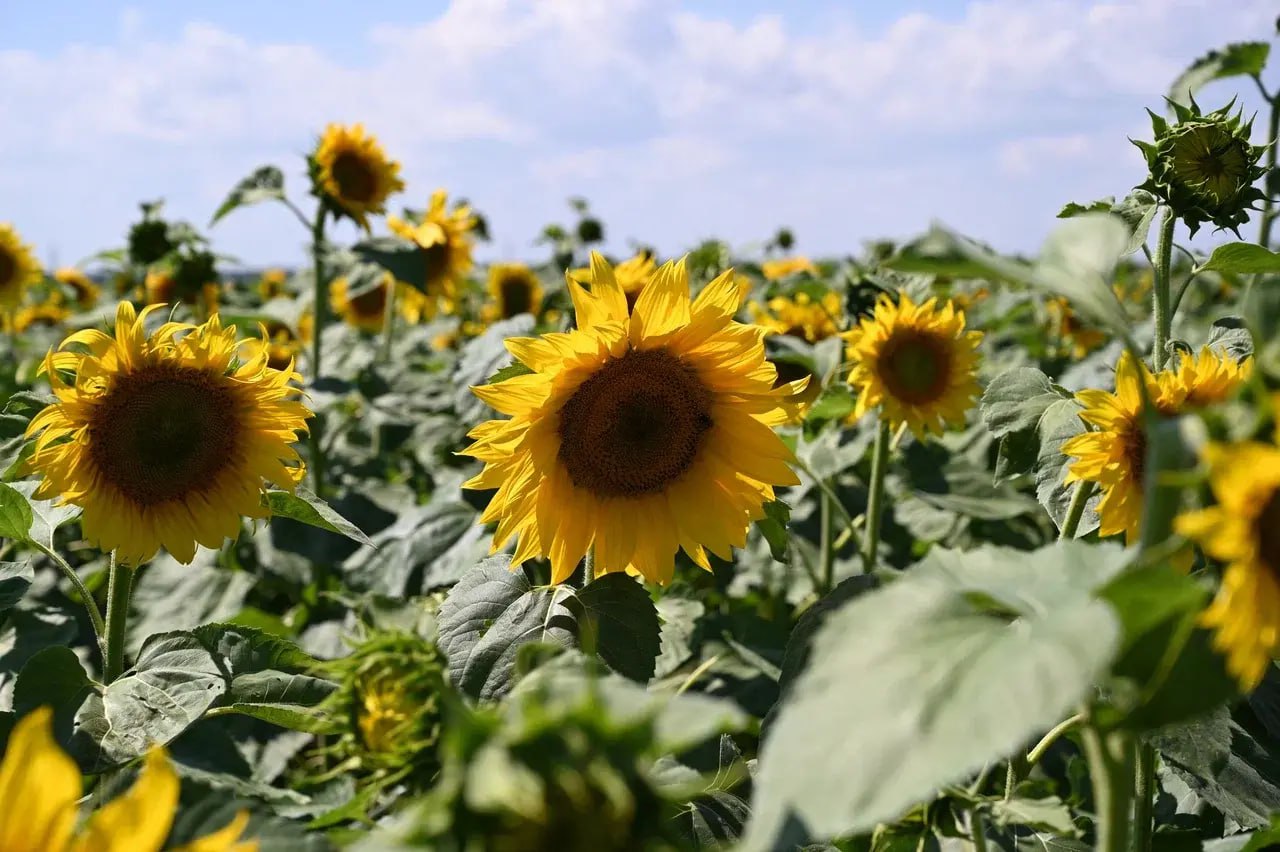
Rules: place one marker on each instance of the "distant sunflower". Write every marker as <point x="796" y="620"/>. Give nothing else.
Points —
<point x="776" y="270"/>
<point x="84" y="291"/>
<point x="631" y="274"/>
<point x="19" y="268"/>
<point x="368" y="310"/>
<point x="1114" y="455"/>
<point x="273" y="284"/>
<point x="281" y="344"/>
<point x="165" y="439"/>
<point x="638" y="433"/>
<point x="445" y="239"/>
<point x="1065" y="324"/>
<point x="352" y="172"/>
<point x="916" y="363"/>
<point x="45" y="315"/>
<point x="1243" y="530"/>
<point x="513" y="290"/>
<point x="800" y="316"/>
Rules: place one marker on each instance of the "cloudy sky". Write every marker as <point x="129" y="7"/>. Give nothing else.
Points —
<point x="846" y="121"/>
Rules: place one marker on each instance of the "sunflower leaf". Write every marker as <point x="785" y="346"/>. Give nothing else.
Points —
<point x="15" y="514"/>
<point x="1234" y="60"/>
<point x="773" y="526"/>
<point x="406" y="261"/>
<point x="515" y="368"/>
<point x="265" y="184"/>
<point x="15" y="579"/>
<point x="306" y="508"/>
<point x="1241" y="259"/>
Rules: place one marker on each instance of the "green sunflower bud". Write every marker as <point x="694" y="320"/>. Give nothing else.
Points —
<point x="1203" y="166"/>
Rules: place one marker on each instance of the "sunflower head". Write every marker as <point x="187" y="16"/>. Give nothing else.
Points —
<point x="280" y="344"/>
<point x="166" y="438"/>
<point x="631" y="274"/>
<point x="19" y="269"/>
<point x="273" y="284"/>
<point x="1243" y="531"/>
<point x="444" y="237"/>
<point x="351" y="173"/>
<point x="916" y="363"/>
<point x="1078" y="338"/>
<point x="83" y="289"/>
<point x="800" y="315"/>
<point x="44" y="315"/>
<point x="785" y="267"/>
<point x="513" y="290"/>
<point x="1203" y="166"/>
<point x="640" y="432"/>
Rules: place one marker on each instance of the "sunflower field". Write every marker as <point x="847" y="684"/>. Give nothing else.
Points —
<point x="928" y="547"/>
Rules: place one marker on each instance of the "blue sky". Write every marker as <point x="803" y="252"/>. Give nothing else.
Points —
<point x="679" y="121"/>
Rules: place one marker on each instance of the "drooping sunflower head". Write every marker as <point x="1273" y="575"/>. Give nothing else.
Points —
<point x="444" y="236"/>
<point x="19" y="268"/>
<point x="273" y="284"/>
<point x="83" y="290"/>
<point x="800" y="315"/>
<point x="916" y="363"/>
<point x="776" y="270"/>
<point x="513" y="290"/>
<point x="1203" y="166"/>
<point x="165" y="439"/>
<point x="1243" y="530"/>
<point x="351" y="172"/>
<point x="1076" y="336"/>
<point x="642" y="432"/>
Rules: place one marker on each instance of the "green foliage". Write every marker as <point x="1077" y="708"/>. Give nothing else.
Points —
<point x="266" y="183"/>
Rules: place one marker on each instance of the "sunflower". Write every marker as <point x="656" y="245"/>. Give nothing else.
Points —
<point x="445" y="239"/>
<point x="631" y="274"/>
<point x="1114" y="455"/>
<point x="40" y="788"/>
<point x="44" y="315"/>
<point x="83" y="289"/>
<point x="917" y="363"/>
<point x="636" y="434"/>
<point x="19" y="268"/>
<point x="273" y="284"/>
<point x="351" y="172"/>
<point x="281" y="344"/>
<point x="1077" y="337"/>
<point x="165" y="440"/>
<point x="1243" y="530"/>
<point x="514" y="290"/>
<point x="800" y="316"/>
<point x="776" y="270"/>
<point x="368" y="311"/>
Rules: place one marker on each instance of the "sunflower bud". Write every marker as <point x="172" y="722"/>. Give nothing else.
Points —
<point x="1203" y="166"/>
<point x="149" y="241"/>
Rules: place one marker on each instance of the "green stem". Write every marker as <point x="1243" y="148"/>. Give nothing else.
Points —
<point x="851" y="523"/>
<point x="1017" y="768"/>
<point x="875" y="495"/>
<point x="1110" y="759"/>
<point x="1160" y="498"/>
<point x="321" y="308"/>
<point x="1055" y="734"/>
<point x="827" y="555"/>
<point x="1075" y="511"/>
<point x="388" y="322"/>
<point x="119" y="587"/>
<point x="1144" y="800"/>
<point x="1268" y="203"/>
<point x="977" y="830"/>
<point x="1160" y="289"/>
<point x="95" y="615"/>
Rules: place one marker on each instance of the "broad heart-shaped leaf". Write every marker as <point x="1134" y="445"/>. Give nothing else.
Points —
<point x="46" y="515"/>
<point x="168" y="595"/>
<point x="174" y="682"/>
<point x="405" y="260"/>
<point x="1240" y="59"/>
<point x="427" y="547"/>
<point x="1241" y="259"/>
<point x="15" y="514"/>
<point x="15" y="579"/>
<point x="1015" y="400"/>
<point x="920" y="683"/>
<point x="265" y="184"/>
<point x="492" y="612"/>
<point x="1231" y="335"/>
<point x="307" y="508"/>
<point x="52" y="678"/>
<point x="1061" y="421"/>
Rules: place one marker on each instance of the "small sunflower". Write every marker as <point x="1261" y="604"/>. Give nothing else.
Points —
<point x="1243" y="530"/>
<point x="1079" y="338"/>
<point x="800" y="316"/>
<point x="445" y="239"/>
<point x="368" y="311"/>
<point x="281" y="344"/>
<point x="351" y="171"/>
<point x="19" y="268"/>
<point x="41" y="789"/>
<point x="776" y="270"/>
<point x="273" y="284"/>
<point x="83" y="289"/>
<point x="167" y="439"/>
<point x="162" y="287"/>
<point x="513" y="289"/>
<point x="631" y="274"/>
<point x="638" y="433"/>
<point x="916" y="363"/>
<point x="44" y="315"/>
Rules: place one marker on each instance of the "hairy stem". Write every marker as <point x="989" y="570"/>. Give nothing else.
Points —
<point x="1075" y="511"/>
<point x="119" y="588"/>
<point x="1160" y="290"/>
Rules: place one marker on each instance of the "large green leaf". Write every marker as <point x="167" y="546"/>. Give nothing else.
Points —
<point x="1241" y="259"/>
<point x="493" y="612"/>
<point x="403" y="259"/>
<point x="46" y="515"/>
<point x="15" y="514"/>
<point x="1015" y="400"/>
<point x="53" y="677"/>
<point x="921" y="683"/>
<point x="307" y="508"/>
<point x="168" y="595"/>
<point x="1240" y="59"/>
<point x="427" y="547"/>
<point x="15" y="579"/>
<point x="265" y="184"/>
<point x="1060" y="422"/>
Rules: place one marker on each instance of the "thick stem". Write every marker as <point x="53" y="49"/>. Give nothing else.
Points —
<point x="119" y="588"/>
<point x="1268" y="203"/>
<point x="1160" y="289"/>
<point x="977" y="830"/>
<point x="1075" y="511"/>
<point x="1111" y="769"/>
<point x="1144" y="800"/>
<point x="875" y="495"/>
<point x="388" y="322"/>
<point x="95" y="615"/>
<point x="827" y="555"/>
<point x="1160" y="498"/>
<point x="321" y="307"/>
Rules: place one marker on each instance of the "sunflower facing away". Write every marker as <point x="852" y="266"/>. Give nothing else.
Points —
<point x="916" y="363"/>
<point x="800" y="316"/>
<point x="1243" y="530"/>
<point x="445" y="239"/>
<point x="631" y="274"/>
<point x="638" y="433"/>
<point x="83" y="290"/>
<point x="40" y="788"/>
<point x="513" y="290"/>
<point x="18" y="267"/>
<point x="165" y="440"/>
<point x="351" y="171"/>
<point x="1114" y="454"/>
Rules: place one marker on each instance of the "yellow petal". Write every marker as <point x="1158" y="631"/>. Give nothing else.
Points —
<point x="39" y="786"/>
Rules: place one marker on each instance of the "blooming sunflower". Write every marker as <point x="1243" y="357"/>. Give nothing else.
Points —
<point x="165" y="440"/>
<point x="351" y="171"/>
<point x="776" y="270"/>
<point x="1079" y="338"/>
<point x="368" y="310"/>
<point x="273" y="284"/>
<point x="514" y="290"/>
<point x="83" y="289"/>
<point x="445" y="239"/>
<point x="631" y="274"/>
<point x="800" y="316"/>
<point x="281" y="344"/>
<point x="1243" y="530"/>
<point x="917" y="363"/>
<point x="40" y="787"/>
<point x="638" y="433"/>
<point x="1114" y="455"/>
<point x="19" y="268"/>
<point x="44" y="315"/>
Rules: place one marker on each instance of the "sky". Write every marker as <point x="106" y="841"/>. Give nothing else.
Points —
<point x="678" y="121"/>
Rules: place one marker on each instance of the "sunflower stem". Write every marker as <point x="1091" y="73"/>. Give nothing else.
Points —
<point x="1160" y="290"/>
<point x="1273" y="130"/>
<point x="388" y="322"/>
<point x="321" y="308"/>
<point x="1075" y="511"/>
<point x="1144" y="797"/>
<point x="977" y="830"/>
<point x="1110" y="757"/>
<point x="827" y="565"/>
<point x="875" y="495"/>
<point x="119" y="588"/>
<point x="95" y="615"/>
